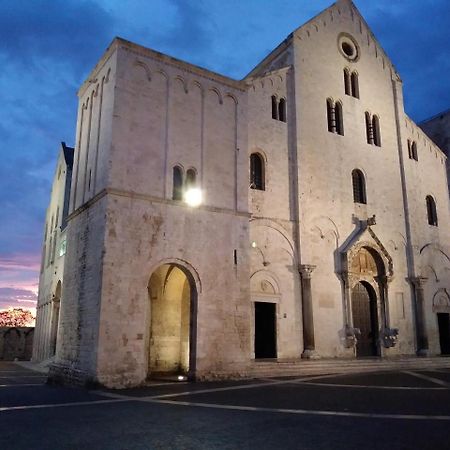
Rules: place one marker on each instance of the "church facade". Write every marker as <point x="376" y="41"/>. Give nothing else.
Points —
<point x="297" y="213"/>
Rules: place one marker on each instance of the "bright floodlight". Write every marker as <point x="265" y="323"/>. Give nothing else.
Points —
<point x="193" y="197"/>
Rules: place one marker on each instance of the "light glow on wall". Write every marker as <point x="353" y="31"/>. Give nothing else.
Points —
<point x="193" y="197"/>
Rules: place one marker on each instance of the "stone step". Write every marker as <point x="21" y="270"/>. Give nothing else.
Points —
<point x="302" y="367"/>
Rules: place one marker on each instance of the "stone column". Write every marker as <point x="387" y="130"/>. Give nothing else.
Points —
<point x="309" y="351"/>
<point x="382" y="289"/>
<point x="421" y="329"/>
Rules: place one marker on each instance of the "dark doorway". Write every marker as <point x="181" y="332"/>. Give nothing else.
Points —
<point x="444" y="332"/>
<point x="364" y="310"/>
<point x="265" y="330"/>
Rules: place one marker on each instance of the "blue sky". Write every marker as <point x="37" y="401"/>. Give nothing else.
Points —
<point x="48" y="47"/>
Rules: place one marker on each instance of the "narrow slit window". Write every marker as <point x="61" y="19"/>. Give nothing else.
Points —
<point x="339" y="118"/>
<point x="355" y="85"/>
<point x="257" y="172"/>
<point x="177" y="191"/>
<point x="369" y="129"/>
<point x="414" y="154"/>
<point x="282" y="110"/>
<point x="359" y="187"/>
<point x="431" y="211"/>
<point x="191" y="178"/>
<point x="331" y="117"/>
<point x="274" y="108"/>
<point x="376" y="131"/>
<point x="347" y="83"/>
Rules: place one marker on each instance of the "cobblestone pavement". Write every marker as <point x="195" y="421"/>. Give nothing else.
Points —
<point x="395" y="410"/>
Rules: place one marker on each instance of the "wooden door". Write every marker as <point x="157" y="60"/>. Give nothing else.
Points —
<point x="364" y="312"/>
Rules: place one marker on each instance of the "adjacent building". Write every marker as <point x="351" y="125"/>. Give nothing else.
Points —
<point x="52" y="261"/>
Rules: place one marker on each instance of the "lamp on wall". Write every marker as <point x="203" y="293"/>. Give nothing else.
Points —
<point x="193" y="197"/>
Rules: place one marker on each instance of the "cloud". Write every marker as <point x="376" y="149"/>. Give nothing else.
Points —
<point x="416" y="37"/>
<point x="32" y="34"/>
<point x="17" y="298"/>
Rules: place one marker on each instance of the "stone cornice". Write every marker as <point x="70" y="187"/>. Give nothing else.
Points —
<point x="152" y="199"/>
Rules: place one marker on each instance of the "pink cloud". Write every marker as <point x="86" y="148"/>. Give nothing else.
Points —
<point x="19" y="280"/>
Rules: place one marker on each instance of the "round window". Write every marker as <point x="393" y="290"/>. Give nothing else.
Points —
<point x="348" y="47"/>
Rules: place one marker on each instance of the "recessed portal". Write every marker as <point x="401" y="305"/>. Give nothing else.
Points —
<point x="172" y="295"/>
<point x="265" y="330"/>
<point x="55" y="318"/>
<point x="444" y="332"/>
<point x="364" y="310"/>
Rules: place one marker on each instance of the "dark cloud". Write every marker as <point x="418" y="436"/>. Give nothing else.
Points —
<point x="33" y="34"/>
<point x="416" y="37"/>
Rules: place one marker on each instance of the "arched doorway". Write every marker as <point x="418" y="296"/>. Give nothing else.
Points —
<point x="173" y="306"/>
<point x="369" y="289"/>
<point x="365" y="318"/>
<point x="444" y="332"/>
<point x="55" y="318"/>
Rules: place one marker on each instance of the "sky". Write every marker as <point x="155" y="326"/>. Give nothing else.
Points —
<point x="48" y="47"/>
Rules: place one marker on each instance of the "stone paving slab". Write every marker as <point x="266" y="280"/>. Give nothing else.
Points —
<point x="306" y="397"/>
<point x="165" y="427"/>
<point x="39" y="395"/>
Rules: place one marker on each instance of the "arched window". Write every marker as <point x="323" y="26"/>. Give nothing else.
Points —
<point x="431" y="211"/>
<point x="256" y="172"/>
<point x="339" y="118"/>
<point x="282" y="110"/>
<point x="330" y="116"/>
<point x="414" y="151"/>
<point x="177" y="191"/>
<point x="274" y="108"/>
<point x="359" y="187"/>
<point x="355" y="85"/>
<point x="347" y="83"/>
<point x="376" y="131"/>
<point x="369" y="129"/>
<point x="191" y="178"/>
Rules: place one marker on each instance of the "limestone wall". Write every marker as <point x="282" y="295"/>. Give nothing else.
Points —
<point x="52" y="262"/>
<point x="328" y="213"/>
<point x="431" y="244"/>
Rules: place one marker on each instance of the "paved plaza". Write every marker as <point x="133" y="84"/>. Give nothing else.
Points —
<point x="395" y="410"/>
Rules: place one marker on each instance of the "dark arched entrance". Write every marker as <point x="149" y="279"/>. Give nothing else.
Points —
<point x="173" y="318"/>
<point x="365" y="318"/>
<point x="55" y="318"/>
<point x="369" y="290"/>
<point x="444" y="332"/>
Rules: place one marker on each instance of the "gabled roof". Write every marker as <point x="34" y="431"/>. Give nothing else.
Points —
<point x="348" y="4"/>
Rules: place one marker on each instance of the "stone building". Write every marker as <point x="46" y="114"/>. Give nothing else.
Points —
<point x="213" y="221"/>
<point x="52" y="260"/>
<point x="438" y="129"/>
